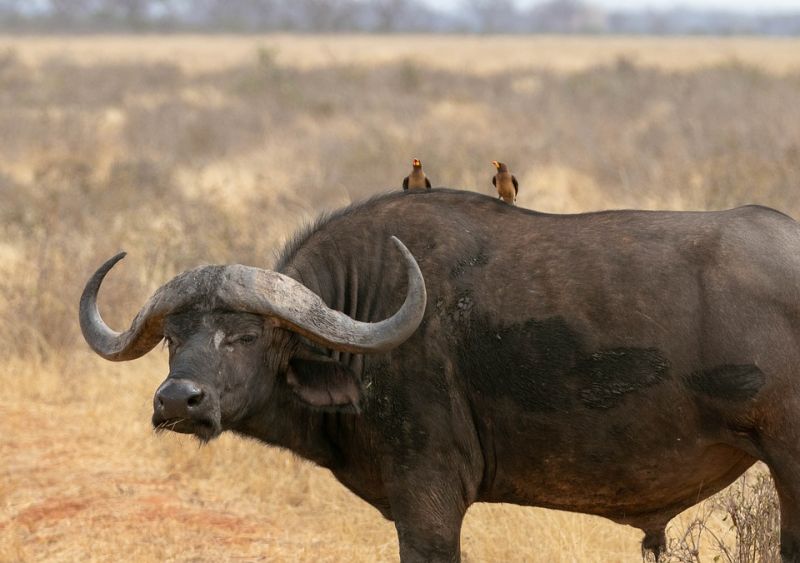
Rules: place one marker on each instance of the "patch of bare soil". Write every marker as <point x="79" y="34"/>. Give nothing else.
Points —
<point x="57" y="504"/>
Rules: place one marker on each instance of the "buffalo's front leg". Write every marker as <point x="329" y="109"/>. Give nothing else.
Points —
<point x="418" y="544"/>
<point x="428" y="504"/>
<point x="432" y="468"/>
<point x="428" y="519"/>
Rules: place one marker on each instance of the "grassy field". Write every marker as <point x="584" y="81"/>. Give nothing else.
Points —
<point x="188" y="150"/>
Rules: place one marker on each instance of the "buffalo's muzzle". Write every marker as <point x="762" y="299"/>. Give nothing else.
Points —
<point x="182" y="406"/>
<point x="178" y="398"/>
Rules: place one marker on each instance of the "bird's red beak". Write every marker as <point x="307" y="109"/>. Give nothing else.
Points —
<point x="415" y="162"/>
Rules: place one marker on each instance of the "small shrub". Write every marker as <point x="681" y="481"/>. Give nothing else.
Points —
<point x="739" y="525"/>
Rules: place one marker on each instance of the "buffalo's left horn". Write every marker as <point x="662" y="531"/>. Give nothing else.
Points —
<point x="253" y="290"/>
<point x="300" y="310"/>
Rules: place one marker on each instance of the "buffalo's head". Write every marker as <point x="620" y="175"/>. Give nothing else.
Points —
<point x="232" y="331"/>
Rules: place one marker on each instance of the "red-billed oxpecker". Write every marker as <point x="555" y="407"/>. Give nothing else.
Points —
<point x="505" y="182"/>
<point x="417" y="179"/>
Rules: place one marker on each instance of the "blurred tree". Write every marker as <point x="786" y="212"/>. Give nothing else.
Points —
<point x="242" y="15"/>
<point x="390" y="14"/>
<point x="492" y="16"/>
<point x="323" y="15"/>
<point x="567" y="16"/>
<point x="484" y="16"/>
<point x="134" y="13"/>
<point x="71" y="13"/>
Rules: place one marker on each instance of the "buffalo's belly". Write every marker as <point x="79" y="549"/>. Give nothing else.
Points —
<point x="625" y="464"/>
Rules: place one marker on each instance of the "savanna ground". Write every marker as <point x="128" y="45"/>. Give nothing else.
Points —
<point x="188" y="150"/>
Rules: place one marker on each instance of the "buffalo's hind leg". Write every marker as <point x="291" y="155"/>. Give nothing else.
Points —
<point x="655" y="543"/>
<point x="779" y="442"/>
<point x="785" y="468"/>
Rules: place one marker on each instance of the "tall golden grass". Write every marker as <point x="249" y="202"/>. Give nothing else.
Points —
<point x="187" y="150"/>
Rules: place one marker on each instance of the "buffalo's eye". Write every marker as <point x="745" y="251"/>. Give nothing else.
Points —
<point x="245" y="339"/>
<point x="167" y="341"/>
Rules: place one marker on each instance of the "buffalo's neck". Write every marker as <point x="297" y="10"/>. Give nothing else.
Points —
<point x="351" y="278"/>
<point x="344" y="280"/>
<point x="286" y="423"/>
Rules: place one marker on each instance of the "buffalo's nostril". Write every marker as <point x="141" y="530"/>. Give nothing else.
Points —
<point x="195" y="399"/>
<point x="177" y="398"/>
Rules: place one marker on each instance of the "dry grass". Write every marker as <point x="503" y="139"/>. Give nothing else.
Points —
<point x="189" y="150"/>
<point x="463" y="54"/>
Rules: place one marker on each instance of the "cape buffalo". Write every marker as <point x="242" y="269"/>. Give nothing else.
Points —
<point x="623" y="363"/>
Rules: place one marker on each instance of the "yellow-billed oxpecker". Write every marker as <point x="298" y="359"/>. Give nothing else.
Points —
<point x="417" y="179"/>
<point x="505" y="182"/>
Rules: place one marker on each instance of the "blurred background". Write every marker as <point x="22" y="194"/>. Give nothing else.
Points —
<point x="208" y="131"/>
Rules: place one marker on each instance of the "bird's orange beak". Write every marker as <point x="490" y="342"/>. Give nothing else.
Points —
<point x="416" y="162"/>
<point x="496" y="164"/>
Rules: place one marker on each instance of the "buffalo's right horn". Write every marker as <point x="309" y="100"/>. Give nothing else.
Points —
<point x="147" y="327"/>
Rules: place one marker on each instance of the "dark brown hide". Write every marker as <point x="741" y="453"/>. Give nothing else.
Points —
<point x="626" y="364"/>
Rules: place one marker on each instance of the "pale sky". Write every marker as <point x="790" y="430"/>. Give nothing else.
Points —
<point x="738" y="5"/>
<point x="733" y="5"/>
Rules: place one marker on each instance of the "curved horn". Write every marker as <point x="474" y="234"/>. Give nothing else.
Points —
<point x="146" y="329"/>
<point x="252" y="290"/>
<point x="300" y="310"/>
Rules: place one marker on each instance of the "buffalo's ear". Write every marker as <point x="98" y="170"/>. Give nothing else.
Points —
<point x="324" y="383"/>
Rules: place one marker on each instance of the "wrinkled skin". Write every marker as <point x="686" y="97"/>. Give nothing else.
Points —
<point x="624" y="364"/>
<point x="221" y="371"/>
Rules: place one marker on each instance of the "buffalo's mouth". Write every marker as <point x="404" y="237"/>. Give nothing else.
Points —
<point x="202" y="428"/>
<point x="185" y="406"/>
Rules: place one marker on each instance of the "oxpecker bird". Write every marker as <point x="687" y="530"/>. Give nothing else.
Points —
<point x="505" y="182"/>
<point x="417" y="179"/>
